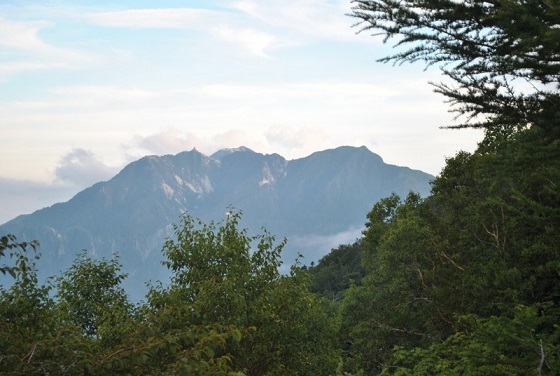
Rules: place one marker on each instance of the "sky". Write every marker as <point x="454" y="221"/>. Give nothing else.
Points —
<point x="87" y="87"/>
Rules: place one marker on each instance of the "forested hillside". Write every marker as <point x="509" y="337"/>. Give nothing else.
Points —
<point x="468" y="280"/>
<point x="463" y="282"/>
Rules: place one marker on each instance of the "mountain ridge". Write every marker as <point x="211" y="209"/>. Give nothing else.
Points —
<point x="315" y="197"/>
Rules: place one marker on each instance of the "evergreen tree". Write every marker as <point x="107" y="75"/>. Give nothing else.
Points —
<point x="476" y="266"/>
<point x="502" y="56"/>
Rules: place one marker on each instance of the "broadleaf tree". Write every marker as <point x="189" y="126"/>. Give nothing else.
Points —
<point x="90" y="294"/>
<point x="227" y="277"/>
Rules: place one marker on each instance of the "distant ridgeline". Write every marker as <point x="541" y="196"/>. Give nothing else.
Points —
<point x="317" y="202"/>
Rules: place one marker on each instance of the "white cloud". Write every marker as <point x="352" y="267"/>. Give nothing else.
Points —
<point x="171" y="141"/>
<point x="81" y="168"/>
<point x="9" y="69"/>
<point x="331" y="95"/>
<point x="292" y="119"/>
<point x="224" y="26"/>
<point x="92" y="97"/>
<point x="106" y="96"/>
<point x="311" y="139"/>
<point x="23" y="36"/>
<point x="256" y="27"/>
<point x="235" y="138"/>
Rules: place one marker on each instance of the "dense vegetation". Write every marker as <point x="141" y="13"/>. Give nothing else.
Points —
<point x="463" y="282"/>
<point x="466" y="281"/>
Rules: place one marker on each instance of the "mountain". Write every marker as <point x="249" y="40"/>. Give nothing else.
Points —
<point x="317" y="202"/>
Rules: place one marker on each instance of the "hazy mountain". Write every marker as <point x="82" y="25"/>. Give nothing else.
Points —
<point x="317" y="202"/>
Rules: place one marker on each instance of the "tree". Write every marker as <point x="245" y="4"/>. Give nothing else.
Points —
<point x="25" y="304"/>
<point x="498" y="345"/>
<point x="223" y="276"/>
<point x="337" y="271"/>
<point x="469" y="275"/>
<point x="92" y="329"/>
<point x="502" y="56"/>
<point x="26" y="316"/>
<point x="90" y="294"/>
<point x="395" y="304"/>
<point x="466" y="282"/>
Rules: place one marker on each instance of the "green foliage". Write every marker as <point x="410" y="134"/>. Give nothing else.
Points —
<point x="164" y="345"/>
<point x="215" y="271"/>
<point x="377" y="315"/>
<point x="484" y="246"/>
<point x="25" y="308"/>
<point x="9" y="242"/>
<point x="499" y="345"/>
<point x="227" y="277"/>
<point x="89" y="296"/>
<point x="486" y="242"/>
<point x="92" y="328"/>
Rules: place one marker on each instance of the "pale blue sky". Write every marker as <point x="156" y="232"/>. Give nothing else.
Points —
<point x="88" y="86"/>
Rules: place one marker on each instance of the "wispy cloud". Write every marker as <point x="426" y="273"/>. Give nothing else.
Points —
<point x="315" y="246"/>
<point x="24" y="35"/>
<point x="93" y="97"/>
<point x="293" y="119"/>
<point x="8" y="69"/>
<point x="169" y="18"/>
<point x="317" y="19"/>
<point x="30" y="52"/>
<point x="107" y="96"/>
<point x="256" y="27"/>
<point x="237" y="137"/>
<point x="221" y="25"/>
